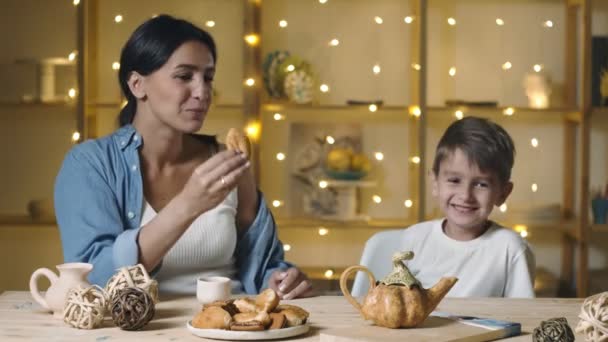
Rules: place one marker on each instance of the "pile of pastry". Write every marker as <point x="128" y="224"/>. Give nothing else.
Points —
<point x="250" y="314"/>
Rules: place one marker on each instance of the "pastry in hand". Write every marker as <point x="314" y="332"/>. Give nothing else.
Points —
<point x="294" y="315"/>
<point x="213" y="317"/>
<point x="237" y="141"/>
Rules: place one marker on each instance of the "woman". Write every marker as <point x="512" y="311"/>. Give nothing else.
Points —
<point x="155" y="193"/>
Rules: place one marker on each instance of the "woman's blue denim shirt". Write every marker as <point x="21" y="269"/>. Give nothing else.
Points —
<point x="99" y="201"/>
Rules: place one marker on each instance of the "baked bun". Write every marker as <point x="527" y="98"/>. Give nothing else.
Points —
<point x="294" y="315"/>
<point x="278" y="321"/>
<point x="227" y="305"/>
<point x="236" y="141"/>
<point x="261" y="317"/>
<point x="267" y="300"/>
<point x="245" y="305"/>
<point x="213" y="317"/>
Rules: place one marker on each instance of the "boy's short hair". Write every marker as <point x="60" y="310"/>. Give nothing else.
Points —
<point x="484" y="142"/>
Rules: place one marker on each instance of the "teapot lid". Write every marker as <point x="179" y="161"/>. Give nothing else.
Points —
<point x="401" y="275"/>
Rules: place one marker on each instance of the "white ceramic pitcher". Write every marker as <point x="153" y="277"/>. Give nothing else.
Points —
<point x="70" y="275"/>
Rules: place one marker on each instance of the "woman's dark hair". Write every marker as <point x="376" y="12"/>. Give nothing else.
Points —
<point x="484" y="142"/>
<point x="149" y="48"/>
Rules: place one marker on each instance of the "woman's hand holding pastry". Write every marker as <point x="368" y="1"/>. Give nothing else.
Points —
<point x="211" y="181"/>
<point x="291" y="283"/>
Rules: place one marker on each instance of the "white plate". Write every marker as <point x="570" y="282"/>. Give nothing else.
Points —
<point x="218" y="334"/>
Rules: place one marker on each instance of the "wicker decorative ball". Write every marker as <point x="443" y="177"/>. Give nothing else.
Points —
<point x="133" y="276"/>
<point x="85" y="307"/>
<point x="553" y="330"/>
<point x="594" y="318"/>
<point x="132" y="308"/>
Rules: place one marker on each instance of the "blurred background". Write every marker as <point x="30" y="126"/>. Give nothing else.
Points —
<point x="345" y="101"/>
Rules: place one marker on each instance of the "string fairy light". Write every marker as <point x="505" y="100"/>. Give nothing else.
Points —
<point x="458" y="114"/>
<point x="328" y="273"/>
<point x="252" y="39"/>
<point x="323" y="184"/>
<point x="283" y="23"/>
<point x="508" y="111"/>
<point x="286" y="247"/>
<point x="250" y="82"/>
<point x="118" y="18"/>
<point x="210" y="23"/>
<point x="323" y="231"/>
<point x="280" y="156"/>
<point x="324" y="88"/>
<point x="500" y="22"/>
<point x="373" y="108"/>
<point x="378" y="20"/>
<point x="377" y="199"/>
<point x="415" y="111"/>
<point x="415" y="160"/>
<point x="72" y="55"/>
<point x="452" y="71"/>
<point x="330" y="140"/>
<point x="278" y="116"/>
<point x="408" y="19"/>
<point x="507" y="66"/>
<point x="115" y="66"/>
<point x="76" y="2"/>
<point x="408" y="203"/>
<point x="334" y="42"/>
<point x="534" y="142"/>
<point x="503" y="208"/>
<point x="534" y="187"/>
<point x="416" y="66"/>
<point x="451" y="21"/>
<point x="75" y="136"/>
<point x="277" y="203"/>
<point x="72" y="93"/>
<point x="376" y="69"/>
<point x="379" y="156"/>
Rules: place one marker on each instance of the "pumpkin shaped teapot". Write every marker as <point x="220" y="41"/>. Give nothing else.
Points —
<point x="399" y="300"/>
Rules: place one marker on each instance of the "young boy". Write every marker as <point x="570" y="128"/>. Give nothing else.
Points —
<point x="471" y="175"/>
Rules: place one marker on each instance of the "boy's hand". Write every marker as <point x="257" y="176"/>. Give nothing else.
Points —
<point x="290" y="284"/>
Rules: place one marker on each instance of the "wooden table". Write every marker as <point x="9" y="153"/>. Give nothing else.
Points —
<point x="21" y="318"/>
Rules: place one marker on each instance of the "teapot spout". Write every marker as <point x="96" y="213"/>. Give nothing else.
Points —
<point x="436" y="293"/>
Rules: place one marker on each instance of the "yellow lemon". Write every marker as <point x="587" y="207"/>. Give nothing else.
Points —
<point x="360" y="162"/>
<point x="338" y="159"/>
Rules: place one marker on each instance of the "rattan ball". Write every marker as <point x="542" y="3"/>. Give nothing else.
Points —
<point x="133" y="276"/>
<point x="553" y="330"/>
<point x="132" y="308"/>
<point x="594" y="318"/>
<point x="85" y="307"/>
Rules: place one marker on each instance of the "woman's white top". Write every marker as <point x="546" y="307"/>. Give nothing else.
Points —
<point x="205" y="249"/>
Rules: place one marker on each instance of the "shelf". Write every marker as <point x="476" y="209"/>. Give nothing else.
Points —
<point x="599" y="228"/>
<point x="25" y="220"/>
<point x="57" y="103"/>
<point x="303" y="222"/>
<point x="271" y="106"/>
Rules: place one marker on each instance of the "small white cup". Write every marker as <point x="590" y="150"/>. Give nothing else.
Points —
<point x="210" y="289"/>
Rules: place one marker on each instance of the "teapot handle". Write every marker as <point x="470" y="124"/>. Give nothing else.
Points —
<point x="34" y="285"/>
<point x="344" y="287"/>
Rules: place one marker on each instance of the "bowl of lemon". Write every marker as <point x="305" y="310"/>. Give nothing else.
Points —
<point x="345" y="164"/>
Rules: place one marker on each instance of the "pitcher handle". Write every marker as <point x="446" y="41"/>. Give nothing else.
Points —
<point x="344" y="287"/>
<point x="34" y="285"/>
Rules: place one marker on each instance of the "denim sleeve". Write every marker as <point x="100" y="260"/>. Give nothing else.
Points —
<point x="259" y="252"/>
<point x="89" y="219"/>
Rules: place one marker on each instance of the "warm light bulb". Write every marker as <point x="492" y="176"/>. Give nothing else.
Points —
<point x="75" y="136"/>
<point x="377" y="199"/>
<point x="76" y="2"/>
<point x="378" y="20"/>
<point x="451" y="21"/>
<point x="72" y="93"/>
<point x="415" y="111"/>
<point x="503" y="208"/>
<point x="379" y="156"/>
<point x="329" y="273"/>
<point x="507" y="65"/>
<point x="523" y="233"/>
<point x="323" y="231"/>
<point x="252" y="39"/>
<point x="286" y="247"/>
<point x="534" y="187"/>
<point x="334" y="42"/>
<point x="458" y="114"/>
<point x="280" y="156"/>
<point x="452" y="71"/>
<point x="548" y="24"/>
<point x="408" y="203"/>
<point x="253" y="131"/>
<point x="278" y="116"/>
<point x="534" y="142"/>
<point x="408" y="19"/>
<point x="118" y="18"/>
<point x="537" y="67"/>
<point x="376" y="69"/>
<point x="283" y="23"/>
<point x="210" y="23"/>
<point x="323" y="184"/>
<point x="276" y="203"/>
<point x="372" y="107"/>
<point x="521" y="229"/>
<point x="415" y="160"/>
<point x="115" y="66"/>
<point x="330" y="140"/>
<point x="416" y="66"/>
<point x="499" y="22"/>
<point x="324" y="88"/>
<point x="508" y="111"/>
<point x="72" y="55"/>
<point x="290" y="68"/>
<point x="322" y="1"/>
<point x="249" y="82"/>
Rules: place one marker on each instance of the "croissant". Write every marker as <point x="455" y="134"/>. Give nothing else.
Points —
<point x="236" y="141"/>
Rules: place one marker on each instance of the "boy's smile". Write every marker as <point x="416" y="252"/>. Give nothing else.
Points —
<point x="466" y="195"/>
